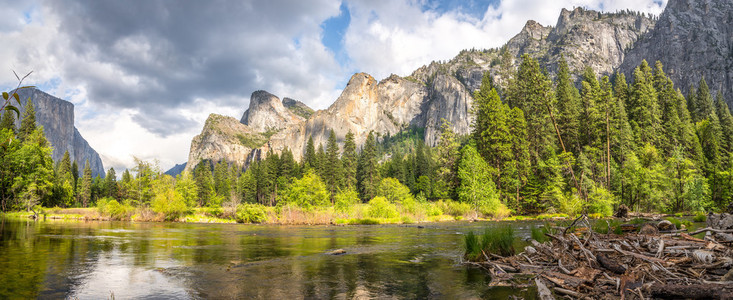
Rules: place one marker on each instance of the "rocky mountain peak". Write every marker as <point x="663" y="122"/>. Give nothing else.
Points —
<point x="267" y="113"/>
<point x="297" y="107"/>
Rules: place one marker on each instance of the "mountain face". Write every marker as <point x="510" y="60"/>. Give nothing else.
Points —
<point x="443" y="90"/>
<point x="175" y="170"/>
<point x="57" y="118"/>
<point x="692" y="39"/>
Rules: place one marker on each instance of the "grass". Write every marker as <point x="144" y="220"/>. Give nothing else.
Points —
<point x="538" y="233"/>
<point x="678" y="223"/>
<point x="497" y="240"/>
<point x="700" y="217"/>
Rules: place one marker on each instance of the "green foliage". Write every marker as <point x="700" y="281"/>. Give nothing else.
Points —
<point x="476" y="187"/>
<point x="394" y="191"/>
<point x="453" y="208"/>
<point x="307" y="192"/>
<point x="114" y="210"/>
<point x="700" y="217"/>
<point x="538" y="233"/>
<point x="345" y="199"/>
<point x="167" y="200"/>
<point x="380" y="207"/>
<point x="678" y="222"/>
<point x="251" y="213"/>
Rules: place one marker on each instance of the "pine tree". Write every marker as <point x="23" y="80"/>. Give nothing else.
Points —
<point x="592" y="116"/>
<point x="222" y="185"/>
<point x="517" y="169"/>
<point x="33" y="170"/>
<point x="333" y="166"/>
<point x="125" y="184"/>
<point x="288" y="166"/>
<point x="703" y="102"/>
<point x="310" y="161"/>
<point x="569" y="108"/>
<point x="644" y="108"/>
<point x="111" y="183"/>
<point x="349" y="160"/>
<point x="247" y="186"/>
<point x="491" y="131"/>
<point x="320" y="161"/>
<point x="28" y="123"/>
<point x="205" y="183"/>
<point x="476" y="188"/>
<point x="85" y="195"/>
<point x="726" y="125"/>
<point x="447" y="162"/>
<point x="367" y="171"/>
<point x="75" y="172"/>
<point x="531" y="91"/>
<point x="8" y="121"/>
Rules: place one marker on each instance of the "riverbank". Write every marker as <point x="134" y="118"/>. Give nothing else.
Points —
<point x="289" y="215"/>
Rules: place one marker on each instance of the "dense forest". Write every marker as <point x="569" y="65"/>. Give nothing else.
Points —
<point x="538" y="146"/>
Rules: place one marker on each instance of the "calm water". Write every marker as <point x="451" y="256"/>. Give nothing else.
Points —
<point x="97" y="260"/>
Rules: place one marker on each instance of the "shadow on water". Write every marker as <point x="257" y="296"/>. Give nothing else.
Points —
<point x="92" y="260"/>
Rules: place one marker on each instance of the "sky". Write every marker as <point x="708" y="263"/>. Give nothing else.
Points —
<point x="145" y="74"/>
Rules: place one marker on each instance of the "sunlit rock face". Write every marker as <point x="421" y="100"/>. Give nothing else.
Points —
<point x="57" y="118"/>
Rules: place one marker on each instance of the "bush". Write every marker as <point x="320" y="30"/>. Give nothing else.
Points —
<point x="345" y="199"/>
<point x="453" y="208"/>
<point x="700" y="217"/>
<point x="379" y="207"/>
<point x="308" y="192"/>
<point x="601" y="201"/>
<point x="433" y="210"/>
<point x="113" y="209"/>
<point x="251" y="213"/>
<point x="393" y="190"/>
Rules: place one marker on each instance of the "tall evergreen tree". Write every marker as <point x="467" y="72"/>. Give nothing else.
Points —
<point x="8" y="121"/>
<point x="349" y="160"/>
<point x="310" y="161"/>
<point x="333" y="166"/>
<point x="110" y="183"/>
<point x="222" y="185"/>
<point x="516" y="170"/>
<point x="490" y="129"/>
<point x="644" y="114"/>
<point x="569" y="108"/>
<point x="85" y="195"/>
<point x="447" y="162"/>
<point x="703" y="107"/>
<point x="531" y="91"/>
<point x="205" y="182"/>
<point x="367" y="171"/>
<point x="28" y="123"/>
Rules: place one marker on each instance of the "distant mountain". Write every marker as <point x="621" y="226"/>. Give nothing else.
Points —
<point x="443" y="90"/>
<point x="57" y="118"/>
<point x="177" y="169"/>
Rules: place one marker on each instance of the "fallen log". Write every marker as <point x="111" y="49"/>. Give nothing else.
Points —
<point x="543" y="291"/>
<point x="693" y="291"/>
<point x="610" y="264"/>
<point x="711" y="230"/>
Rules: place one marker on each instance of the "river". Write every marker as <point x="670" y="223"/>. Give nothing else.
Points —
<point x="100" y="260"/>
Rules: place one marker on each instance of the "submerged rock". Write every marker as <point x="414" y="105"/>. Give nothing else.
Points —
<point x="336" y="252"/>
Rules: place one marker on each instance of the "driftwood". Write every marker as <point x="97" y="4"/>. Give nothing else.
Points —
<point x="584" y="264"/>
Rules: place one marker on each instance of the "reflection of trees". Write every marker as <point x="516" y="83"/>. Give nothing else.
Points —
<point x="235" y="261"/>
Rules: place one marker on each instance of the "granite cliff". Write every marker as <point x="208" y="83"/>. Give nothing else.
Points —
<point x="443" y="90"/>
<point x="692" y="39"/>
<point x="57" y="118"/>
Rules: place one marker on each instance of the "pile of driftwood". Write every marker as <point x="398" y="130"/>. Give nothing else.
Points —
<point x="582" y="264"/>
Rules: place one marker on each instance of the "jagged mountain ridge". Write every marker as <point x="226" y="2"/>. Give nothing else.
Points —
<point x="443" y="90"/>
<point x="57" y="118"/>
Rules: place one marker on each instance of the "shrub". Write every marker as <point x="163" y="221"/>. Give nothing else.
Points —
<point x="453" y="208"/>
<point x="393" y="190"/>
<point x="379" y="207"/>
<point x="345" y="199"/>
<point x="251" y="213"/>
<point x="307" y="192"/>
<point x="700" y="217"/>
<point x="433" y="210"/>
<point x="113" y="209"/>
<point x="601" y="201"/>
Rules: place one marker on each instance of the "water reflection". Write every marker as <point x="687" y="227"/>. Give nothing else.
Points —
<point x="92" y="260"/>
